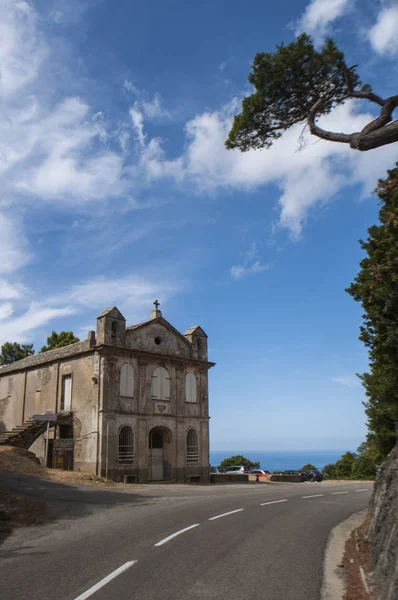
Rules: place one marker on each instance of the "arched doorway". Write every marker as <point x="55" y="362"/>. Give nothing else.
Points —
<point x="160" y="459"/>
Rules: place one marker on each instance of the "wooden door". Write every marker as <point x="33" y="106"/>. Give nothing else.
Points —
<point x="157" y="464"/>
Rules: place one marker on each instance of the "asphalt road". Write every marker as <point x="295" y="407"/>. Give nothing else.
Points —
<point x="176" y="542"/>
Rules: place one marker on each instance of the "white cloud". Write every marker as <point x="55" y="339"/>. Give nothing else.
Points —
<point x="133" y="294"/>
<point x="9" y="291"/>
<point x="239" y="271"/>
<point x="318" y="16"/>
<point x="383" y="35"/>
<point x="13" y="251"/>
<point x="138" y="123"/>
<point x="153" y="109"/>
<point x="19" y="328"/>
<point x="21" y="50"/>
<point x="59" y="154"/>
<point x="130" y="87"/>
<point x="6" y="310"/>
<point x="306" y="179"/>
<point x="347" y="380"/>
<point x="53" y="152"/>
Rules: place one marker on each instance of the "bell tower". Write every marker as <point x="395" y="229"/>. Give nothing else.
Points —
<point x="111" y="327"/>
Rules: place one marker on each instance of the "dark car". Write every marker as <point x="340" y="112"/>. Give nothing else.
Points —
<point x="314" y="475"/>
<point x="301" y="474"/>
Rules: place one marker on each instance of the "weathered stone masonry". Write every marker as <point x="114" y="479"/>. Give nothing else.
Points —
<point x="131" y="400"/>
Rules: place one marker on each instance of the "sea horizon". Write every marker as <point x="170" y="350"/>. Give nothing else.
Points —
<point x="274" y="460"/>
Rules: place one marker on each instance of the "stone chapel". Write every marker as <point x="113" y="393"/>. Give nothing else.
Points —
<point x="131" y="403"/>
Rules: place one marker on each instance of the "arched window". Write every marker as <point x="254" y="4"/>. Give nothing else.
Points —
<point x="126" y="445"/>
<point x="160" y="384"/>
<point x="190" y="387"/>
<point x="127" y="381"/>
<point x="113" y="329"/>
<point x="192" y="447"/>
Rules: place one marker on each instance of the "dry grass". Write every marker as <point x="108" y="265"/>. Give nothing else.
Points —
<point x="25" y="462"/>
<point x="20" y="461"/>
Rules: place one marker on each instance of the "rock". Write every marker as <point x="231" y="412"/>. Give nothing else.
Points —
<point x="383" y="529"/>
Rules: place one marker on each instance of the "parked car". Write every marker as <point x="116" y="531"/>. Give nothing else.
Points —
<point x="237" y="470"/>
<point x="302" y="474"/>
<point x="259" y="472"/>
<point x="214" y="470"/>
<point x="314" y="475"/>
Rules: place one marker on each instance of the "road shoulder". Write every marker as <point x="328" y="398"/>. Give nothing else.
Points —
<point x="334" y="582"/>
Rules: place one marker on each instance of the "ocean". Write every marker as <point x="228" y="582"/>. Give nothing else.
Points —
<point x="281" y="460"/>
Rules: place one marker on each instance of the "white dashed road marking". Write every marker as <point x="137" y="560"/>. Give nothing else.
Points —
<point x="173" y="535"/>
<point x="336" y="493"/>
<point x="106" y="580"/>
<point x="363" y="490"/>
<point x="313" y="496"/>
<point x="273" y="502"/>
<point x="231" y="512"/>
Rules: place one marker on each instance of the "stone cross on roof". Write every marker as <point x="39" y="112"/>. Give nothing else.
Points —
<point x="155" y="313"/>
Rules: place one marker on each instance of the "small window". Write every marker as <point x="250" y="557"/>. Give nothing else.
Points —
<point x="192" y="447"/>
<point x="158" y="340"/>
<point x="66" y="394"/>
<point x="113" y="329"/>
<point x="126" y="445"/>
<point x="127" y="381"/>
<point x="190" y="387"/>
<point x="160" y="384"/>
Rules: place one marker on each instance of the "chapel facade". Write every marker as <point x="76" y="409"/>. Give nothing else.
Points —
<point x="131" y="403"/>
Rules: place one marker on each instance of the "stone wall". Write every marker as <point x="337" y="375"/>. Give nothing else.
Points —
<point x="228" y="478"/>
<point x="383" y="531"/>
<point x="286" y="478"/>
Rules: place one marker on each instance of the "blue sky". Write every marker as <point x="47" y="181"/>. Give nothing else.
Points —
<point x="117" y="189"/>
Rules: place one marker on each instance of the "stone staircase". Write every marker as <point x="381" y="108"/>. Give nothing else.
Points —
<point x="24" y="435"/>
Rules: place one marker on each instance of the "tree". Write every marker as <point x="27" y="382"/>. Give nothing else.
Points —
<point x="344" y="465"/>
<point x="239" y="460"/>
<point x="11" y="351"/>
<point x="296" y="84"/>
<point x="376" y="288"/>
<point x="309" y="467"/>
<point x="58" y="340"/>
<point x="364" y="467"/>
<point x="329" y="471"/>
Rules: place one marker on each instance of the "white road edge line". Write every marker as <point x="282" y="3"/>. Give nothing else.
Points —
<point x="173" y="535"/>
<point x="313" y="496"/>
<point x="231" y="512"/>
<point x="363" y="490"/>
<point x="106" y="580"/>
<point x="336" y="493"/>
<point x="273" y="502"/>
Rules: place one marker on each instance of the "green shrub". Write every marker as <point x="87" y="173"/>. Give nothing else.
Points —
<point x="329" y="471"/>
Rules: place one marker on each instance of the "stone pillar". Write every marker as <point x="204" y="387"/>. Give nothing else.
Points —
<point x="180" y="452"/>
<point x="142" y="389"/>
<point x="204" y="392"/>
<point x="142" y="459"/>
<point x="180" y="391"/>
<point x="204" y="450"/>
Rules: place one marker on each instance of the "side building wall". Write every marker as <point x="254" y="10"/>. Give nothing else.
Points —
<point x="35" y="385"/>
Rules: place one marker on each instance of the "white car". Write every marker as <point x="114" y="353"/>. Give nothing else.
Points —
<point x="237" y="470"/>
